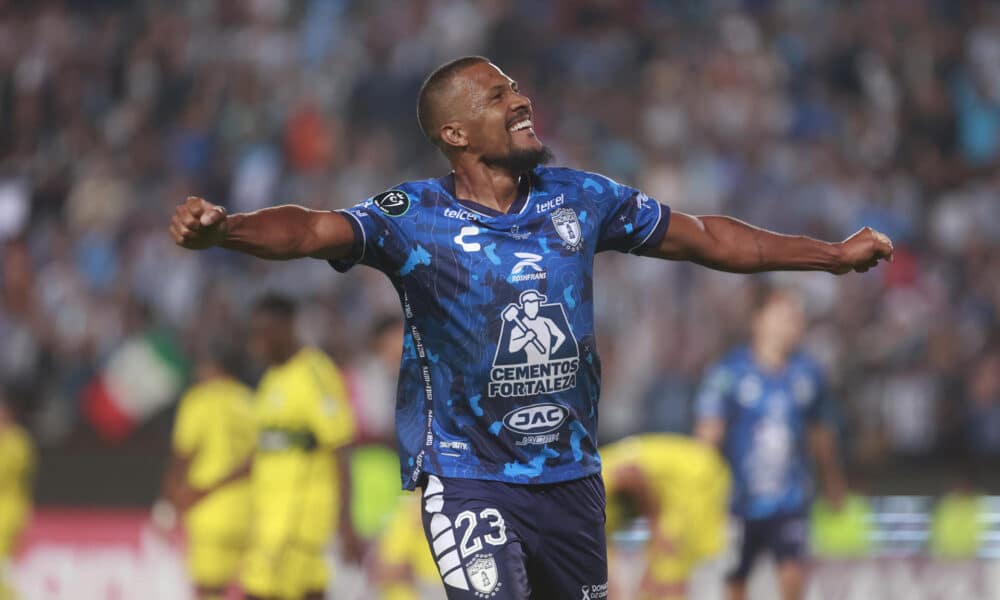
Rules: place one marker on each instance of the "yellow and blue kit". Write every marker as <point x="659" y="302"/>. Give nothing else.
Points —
<point x="303" y="416"/>
<point x="215" y="429"/>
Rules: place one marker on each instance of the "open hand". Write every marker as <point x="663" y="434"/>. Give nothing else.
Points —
<point x="864" y="250"/>
<point x="198" y="224"/>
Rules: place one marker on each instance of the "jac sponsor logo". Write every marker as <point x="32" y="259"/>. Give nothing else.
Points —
<point x="460" y="213"/>
<point x="548" y="205"/>
<point x="535" y="419"/>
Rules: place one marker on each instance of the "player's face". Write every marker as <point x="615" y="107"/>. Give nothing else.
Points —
<point x="782" y="322"/>
<point x="499" y="119"/>
<point x="269" y="338"/>
<point x="531" y="309"/>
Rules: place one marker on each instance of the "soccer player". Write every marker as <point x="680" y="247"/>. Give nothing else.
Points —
<point x="213" y="435"/>
<point x="681" y="486"/>
<point x="403" y="566"/>
<point x="501" y="440"/>
<point x="17" y="462"/>
<point x="299" y="478"/>
<point x="767" y="406"/>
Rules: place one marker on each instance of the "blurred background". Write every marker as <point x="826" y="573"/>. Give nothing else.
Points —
<point x="804" y="116"/>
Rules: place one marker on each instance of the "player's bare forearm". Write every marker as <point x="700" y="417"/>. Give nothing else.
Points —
<point x="728" y="244"/>
<point x="278" y="233"/>
<point x="286" y="232"/>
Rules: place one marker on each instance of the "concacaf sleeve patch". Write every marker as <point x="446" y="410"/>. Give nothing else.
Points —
<point x="393" y="203"/>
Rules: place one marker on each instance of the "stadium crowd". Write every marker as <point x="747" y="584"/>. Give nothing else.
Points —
<point x="807" y="116"/>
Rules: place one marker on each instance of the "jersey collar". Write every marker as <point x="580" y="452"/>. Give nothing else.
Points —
<point x="520" y="203"/>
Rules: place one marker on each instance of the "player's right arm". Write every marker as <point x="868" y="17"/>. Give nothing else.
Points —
<point x="277" y="233"/>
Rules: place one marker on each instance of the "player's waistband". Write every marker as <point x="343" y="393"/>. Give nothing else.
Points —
<point x="275" y="440"/>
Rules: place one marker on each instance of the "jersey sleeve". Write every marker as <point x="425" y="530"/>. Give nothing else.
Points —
<point x="710" y="403"/>
<point x="187" y="426"/>
<point x="821" y="409"/>
<point x="378" y="232"/>
<point x="631" y="221"/>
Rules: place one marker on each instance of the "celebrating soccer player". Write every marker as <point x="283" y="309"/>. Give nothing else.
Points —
<point x="493" y="264"/>
<point x="767" y="406"/>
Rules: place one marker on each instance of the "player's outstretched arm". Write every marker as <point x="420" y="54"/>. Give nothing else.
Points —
<point x="729" y="244"/>
<point x="278" y="233"/>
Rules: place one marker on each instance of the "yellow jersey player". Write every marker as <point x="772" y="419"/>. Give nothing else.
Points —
<point x="299" y="478"/>
<point x="681" y="486"/>
<point x="404" y="568"/>
<point x="213" y="435"/>
<point x="17" y="460"/>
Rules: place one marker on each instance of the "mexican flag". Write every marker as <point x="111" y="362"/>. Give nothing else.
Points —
<point x="141" y="377"/>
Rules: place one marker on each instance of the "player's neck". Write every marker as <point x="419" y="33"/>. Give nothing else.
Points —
<point x="489" y="186"/>
<point x="770" y="357"/>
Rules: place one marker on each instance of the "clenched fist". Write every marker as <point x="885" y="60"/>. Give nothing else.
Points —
<point x="198" y="224"/>
<point x="863" y="250"/>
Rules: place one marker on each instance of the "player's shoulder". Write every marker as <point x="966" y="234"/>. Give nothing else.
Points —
<point x="405" y="200"/>
<point x="735" y="359"/>
<point x="589" y="181"/>
<point x="803" y="362"/>
<point x="20" y="438"/>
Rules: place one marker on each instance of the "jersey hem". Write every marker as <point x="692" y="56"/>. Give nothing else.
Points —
<point x="560" y="476"/>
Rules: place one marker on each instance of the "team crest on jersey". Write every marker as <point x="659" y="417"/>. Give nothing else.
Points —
<point x="568" y="227"/>
<point x="537" y="352"/>
<point x="393" y="203"/>
<point x="483" y="575"/>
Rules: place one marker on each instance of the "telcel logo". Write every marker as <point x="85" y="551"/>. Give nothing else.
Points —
<point x="459" y="213"/>
<point x="537" y="418"/>
<point x="550" y="204"/>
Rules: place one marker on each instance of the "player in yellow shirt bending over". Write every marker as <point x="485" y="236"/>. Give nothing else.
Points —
<point x="213" y="436"/>
<point x="681" y="486"/>
<point x="403" y="567"/>
<point x="17" y="461"/>
<point x="299" y="477"/>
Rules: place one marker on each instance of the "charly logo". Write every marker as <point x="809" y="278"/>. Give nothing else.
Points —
<point x="468" y="232"/>
<point x="393" y="203"/>
<point x="483" y="575"/>
<point x="537" y="351"/>
<point x="568" y="227"/>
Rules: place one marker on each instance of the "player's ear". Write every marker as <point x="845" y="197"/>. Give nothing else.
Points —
<point x="453" y="135"/>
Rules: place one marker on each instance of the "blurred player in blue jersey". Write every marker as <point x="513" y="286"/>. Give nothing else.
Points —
<point x="768" y="407"/>
<point x="496" y="410"/>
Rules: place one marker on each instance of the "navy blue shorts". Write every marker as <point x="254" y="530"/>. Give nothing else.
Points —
<point x="786" y="537"/>
<point x="518" y="542"/>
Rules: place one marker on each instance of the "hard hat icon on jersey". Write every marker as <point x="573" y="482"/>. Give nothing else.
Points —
<point x="532" y="296"/>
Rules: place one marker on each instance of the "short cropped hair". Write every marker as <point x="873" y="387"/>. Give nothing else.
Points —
<point x="275" y="304"/>
<point x="432" y="87"/>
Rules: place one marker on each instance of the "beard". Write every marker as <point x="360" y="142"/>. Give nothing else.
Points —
<point x="519" y="160"/>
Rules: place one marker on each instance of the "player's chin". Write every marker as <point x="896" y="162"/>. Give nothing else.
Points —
<point x="526" y="140"/>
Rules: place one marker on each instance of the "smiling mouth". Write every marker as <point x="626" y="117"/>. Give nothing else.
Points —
<point x="520" y="125"/>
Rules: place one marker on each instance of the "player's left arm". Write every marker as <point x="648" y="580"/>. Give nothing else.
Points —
<point x="728" y="244"/>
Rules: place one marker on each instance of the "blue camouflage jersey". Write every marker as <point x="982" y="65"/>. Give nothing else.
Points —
<point x="500" y="376"/>
<point x="766" y="415"/>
